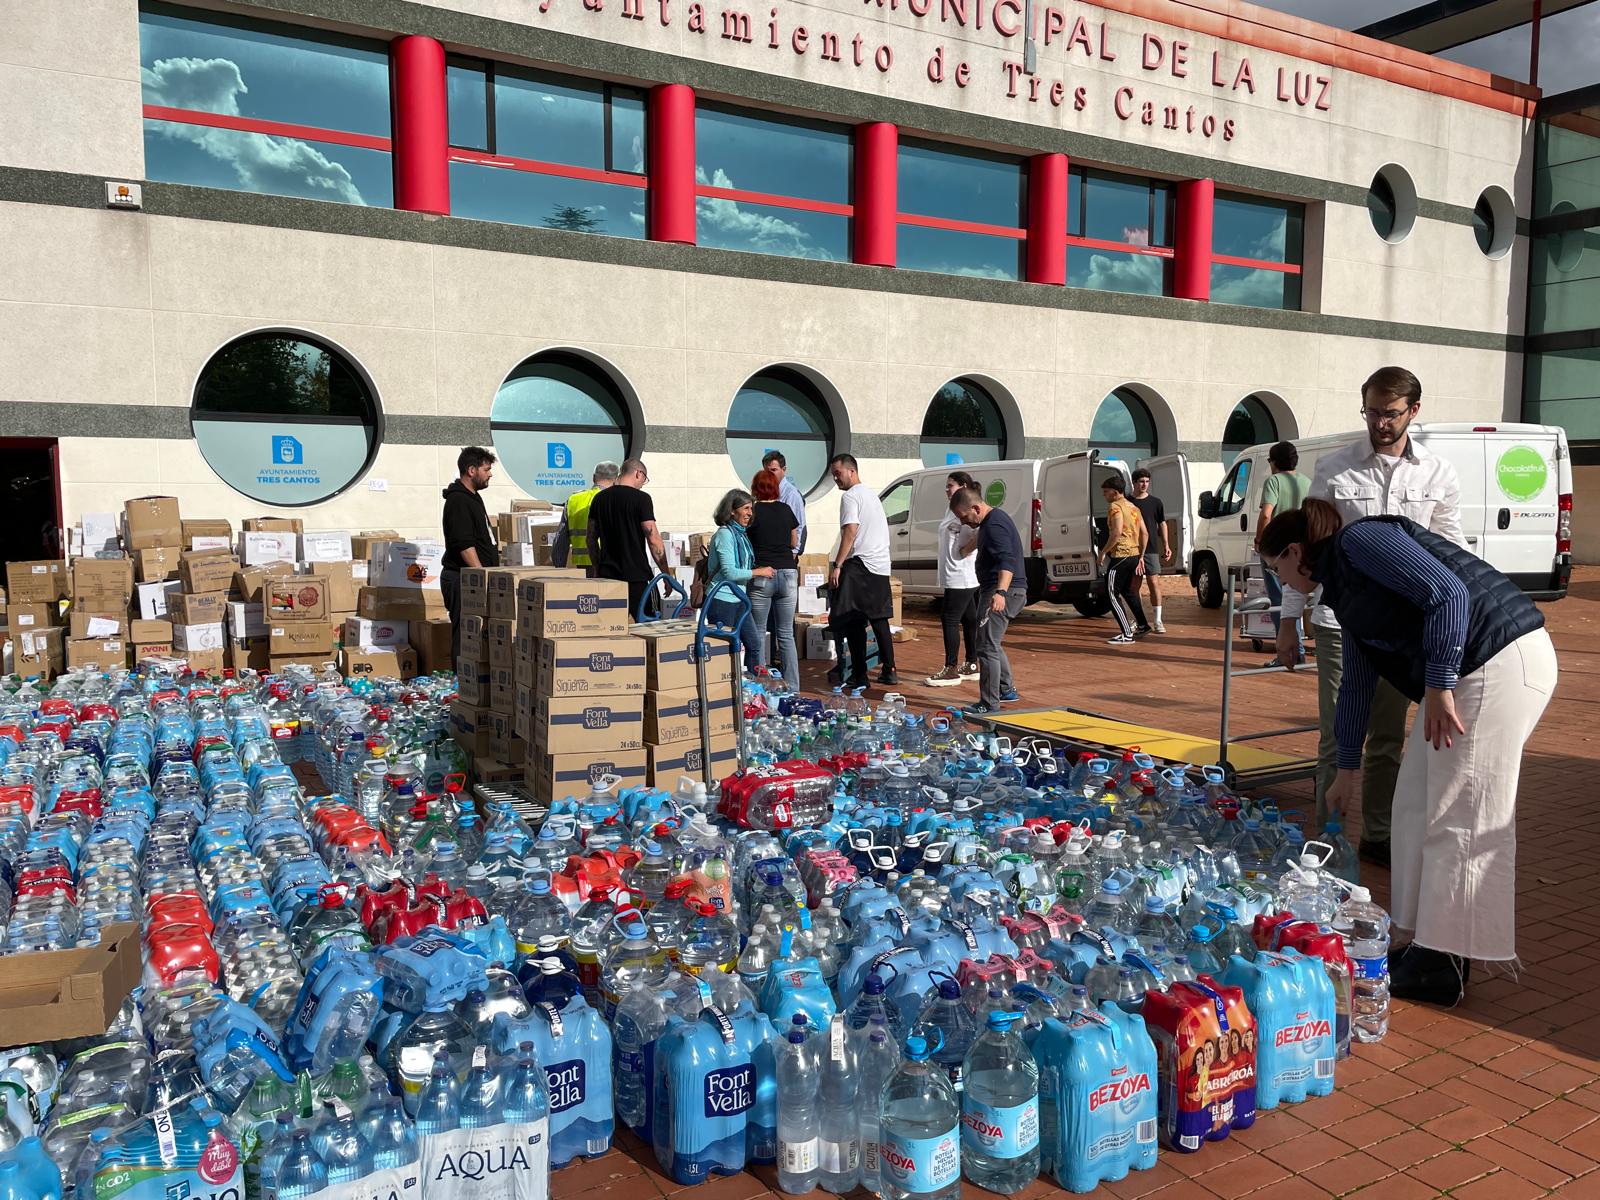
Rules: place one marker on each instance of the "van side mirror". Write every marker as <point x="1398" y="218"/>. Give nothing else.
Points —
<point x="1208" y="505"/>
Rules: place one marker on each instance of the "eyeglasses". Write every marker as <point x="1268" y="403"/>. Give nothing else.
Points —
<point x="1383" y="416"/>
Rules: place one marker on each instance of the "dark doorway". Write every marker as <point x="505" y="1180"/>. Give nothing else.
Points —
<point x="30" y="488"/>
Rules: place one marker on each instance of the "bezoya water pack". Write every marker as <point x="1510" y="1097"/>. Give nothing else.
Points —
<point x="1293" y="1001"/>
<point x="705" y="1093"/>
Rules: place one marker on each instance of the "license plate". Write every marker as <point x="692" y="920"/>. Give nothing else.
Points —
<point x="1069" y="570"/>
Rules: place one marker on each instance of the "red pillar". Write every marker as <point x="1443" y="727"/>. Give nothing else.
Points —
<point x="1047" y="219"/>
<point x="1191" y="266"/>
<point x="877" y="193"/>
<point x="670" y="204"/>
<point x="421" y="125"/>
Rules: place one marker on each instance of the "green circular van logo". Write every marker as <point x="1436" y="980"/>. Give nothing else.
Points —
<point x="1521" y="473"/>
<point x="995" y="494"/>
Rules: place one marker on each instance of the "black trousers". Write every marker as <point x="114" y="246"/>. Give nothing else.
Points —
<point x="1122" y="586"/>
<point x="450" y="585"/>
<point x="960" y="620"/>
<point x="856" y="638"/>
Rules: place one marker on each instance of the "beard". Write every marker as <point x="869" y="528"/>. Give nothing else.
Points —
<point x="1386" y="436"/>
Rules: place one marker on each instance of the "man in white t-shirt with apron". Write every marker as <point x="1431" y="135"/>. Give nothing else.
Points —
<point x="859" y="579"/>
<point x="958" y="576"/>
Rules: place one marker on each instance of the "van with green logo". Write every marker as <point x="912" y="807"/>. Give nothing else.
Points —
<point x="1516" y="502"/>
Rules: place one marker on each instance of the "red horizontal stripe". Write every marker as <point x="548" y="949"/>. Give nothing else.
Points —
<point x="535" y="167"/>
<point x="1121" y="247"/>
<point x="189" y="116"/>
<point x="1230" y="260"/>
<point x="963" y="226"/>
<point x="796" y="202"/>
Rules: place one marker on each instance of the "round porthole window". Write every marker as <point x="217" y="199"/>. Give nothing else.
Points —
<point x="1392" y="203"/>
<point x="1494" y="222"/>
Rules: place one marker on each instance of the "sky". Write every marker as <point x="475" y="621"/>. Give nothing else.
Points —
<point x="1569" y="42"/>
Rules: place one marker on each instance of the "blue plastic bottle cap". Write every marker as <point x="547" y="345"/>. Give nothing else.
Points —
<point x="540" y="887"/>
<point x="916" y="1049"/>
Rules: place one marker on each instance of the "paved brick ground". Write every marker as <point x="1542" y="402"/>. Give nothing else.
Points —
<point x="1498" y="1099"/>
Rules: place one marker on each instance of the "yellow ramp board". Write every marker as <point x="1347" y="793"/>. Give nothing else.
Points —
<point x="1159" y="743"/>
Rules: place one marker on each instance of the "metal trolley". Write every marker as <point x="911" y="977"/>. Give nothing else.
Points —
<point x="1254" y="607"/>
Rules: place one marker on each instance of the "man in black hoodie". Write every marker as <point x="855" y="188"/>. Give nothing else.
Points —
<point x="469" y="539"/>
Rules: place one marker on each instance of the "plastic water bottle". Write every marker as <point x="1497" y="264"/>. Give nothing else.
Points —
<point x="302" y="1172"/>
<point x="1343" y="862"/>
<point x="341" y="1146"/>
<point x="1000" y="1109"/>
<point x="439" y="1109"/>
<point x="799" y="1124"/>
<point x="947" y="1022"/>
<point x="1364" y="926"/>
<point x="392" y="1139"/>
<point x="1108" y="910"/>
<point x="876" y="1058"/>
<point x="919" y="1124"/>
<point x="838" y="1097"/>
<point x="1156" y="924"/>
<point x="480" y="1095"/>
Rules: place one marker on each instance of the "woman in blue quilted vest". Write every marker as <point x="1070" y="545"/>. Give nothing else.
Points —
<point x="1459" y="638"/>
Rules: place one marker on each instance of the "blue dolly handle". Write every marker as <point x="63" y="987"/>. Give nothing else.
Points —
<point x="705" y="628"/>
<point x="672" y="586"/>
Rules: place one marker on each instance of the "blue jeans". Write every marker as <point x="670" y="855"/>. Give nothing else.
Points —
<point x="723" y="612"/>
<point x="776" y="597"/>
<point x="1275" y="594"/>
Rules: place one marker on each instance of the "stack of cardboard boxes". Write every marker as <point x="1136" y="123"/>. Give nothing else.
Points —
<point x="672" y="704"/>
<point x="35" y="592"/>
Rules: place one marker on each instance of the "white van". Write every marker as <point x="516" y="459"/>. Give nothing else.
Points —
<point x="915" y="505"/>
<point x="1516" y="502"/>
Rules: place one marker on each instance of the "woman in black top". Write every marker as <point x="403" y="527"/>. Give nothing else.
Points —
<point x="774" y="534"/>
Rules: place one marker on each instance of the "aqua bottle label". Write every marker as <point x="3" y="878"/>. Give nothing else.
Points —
<point x="392" y="1183"/>
<point x="995" y="1132"/>
<point x="502" y="1162"/>
<point x="920" y="1164"/>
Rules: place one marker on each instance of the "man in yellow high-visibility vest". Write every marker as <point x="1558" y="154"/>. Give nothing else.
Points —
<point x="572" y="539"/>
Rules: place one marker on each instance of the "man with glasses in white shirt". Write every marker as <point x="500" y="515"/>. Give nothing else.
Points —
<point x="1386" y="473"/>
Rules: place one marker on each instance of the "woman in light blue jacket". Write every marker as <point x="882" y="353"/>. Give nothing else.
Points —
<point x="731" y="560"/>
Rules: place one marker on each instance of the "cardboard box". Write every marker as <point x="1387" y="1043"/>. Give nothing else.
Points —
<point x="896" y="592"/>
<point x="300" y="640"/>
<point x="527" y="554"/>
<point x="54" y="994"/>
<point x="369" y="635"/>
<point x="201" y="608"/>
<point x="157" y="599"/>
<point x="431" y="641"/>
<point x="551" y="605"/>
<point x="155" y="650"/>
<point x="327" y="545"/>
<point x="252" y="652"/>
<point x="83" y="625"/>
<point x="210" y="529"/>
<point x="472" y="683"/>
<point x="495" y="772"/>
<point x="675" y="716"/>
<point x="259" y="549"/>
<point x="246" y="620"/>
<point x="502" y="655"/>
<point x="38" y="652"/>
<point x="144" y="632"/>
<point x="581" y="724"/>
<point x="250" y="583"/>
<point x="205" y="662"/>
<point x="812" y="598"/>
<point x="396" y="663"/>
<point x="341" y="586"/>
<point x="23" y="618"/>
<point x="475" y="591"/>
<point x="100" y="654"/>
<point x="37" y="581"/>
<point x="102" y="582"/>
<point x="556" y="776"/>
<point x="669" y="657"/>
<point x="502" y="587"/>
<point x="297" y="599"/>
<point x="152" y="521"/>
<point x="153" y="566"/>
<point x="590" y="666"/>
<point x="502" y="688"/>
<point x="364" y="543"/>
<point x="666" y="763"/>
<point x="400" y="604"/>
<point x="198" y="637"/>
<point x="207" y="570"/>
<point x="471" y="727"/>
<point x="102" y="534"/>
<point x="474" y="645"/>
<point x="292" y="525"/>
<point x="812" y="640"/>
<point x="406" y="564"/>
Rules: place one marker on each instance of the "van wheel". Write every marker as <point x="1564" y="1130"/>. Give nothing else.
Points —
<point x="1208" y="584"/>
<point x="1092" y="606"/>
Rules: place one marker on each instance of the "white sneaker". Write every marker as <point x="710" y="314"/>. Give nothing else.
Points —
<point x="1158" y="627"/>
<point x="1122" y="639"/>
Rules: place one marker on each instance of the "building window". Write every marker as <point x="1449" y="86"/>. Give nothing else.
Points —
<point x="1249" y="424"/>
<point x="962" y="212"/>
<point x="285" y="419"/>
<point x="1494" y="222"/>
<point x="533" y="148"/>
<point x="1392" y="203"/>
<point x="963" y="425"/>
<point x="771" y="185"/>
<point x="554" y="418"/>
<point x="1257" y="249"/>
<point x="256" y="106"/>
<point x="1123" y="426"/>
<point x="779" y="409"/>
<point x="1119" y="233"/>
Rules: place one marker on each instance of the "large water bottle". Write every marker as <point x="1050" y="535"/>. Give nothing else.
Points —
<point x="799" y="1124"/>
<point x="1343" y="862"/>
<point x="538" y="913"/>
<point x="1364" y="926"/>
<point x="439" y="1109"/>
<point x="1108" y="910"/>
<point x="1000" y="1109"/>
<point x="480" y="1095"/>
<point x="1307" y="892"/>
<point x="919" y="1122"/>
<point x="876" y="1058"/>
<point x="391" y="1138"/>
<point x="341" y="1146"/>
<point x="838" y="1096"/>
<point x="302" y="1172"/>
<point x="947" y="1022"/>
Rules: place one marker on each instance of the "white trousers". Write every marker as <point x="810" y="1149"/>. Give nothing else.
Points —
<point x="1454" y="839"/>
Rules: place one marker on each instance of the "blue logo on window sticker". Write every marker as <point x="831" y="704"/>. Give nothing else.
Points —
<point x="287" y="450"/>
<point x="560" y="455"/>
<point x="952" y="459"/>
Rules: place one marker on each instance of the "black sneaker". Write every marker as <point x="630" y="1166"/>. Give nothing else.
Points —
<point x="980" y="709"/>
<point x="1141" y="630"/>
<point x="1376" y="853"/>
<point x="1429" y="976"/>
<point x="889" y="679"/>
<point x="945" y="677"/>
<point x="835" y="676"/>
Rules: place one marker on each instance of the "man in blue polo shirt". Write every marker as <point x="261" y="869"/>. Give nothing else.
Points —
<point x="1002" y="594"/>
